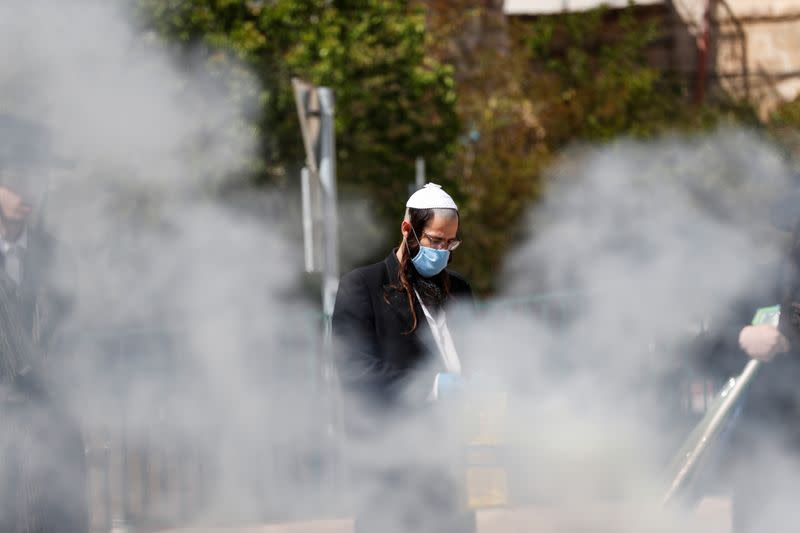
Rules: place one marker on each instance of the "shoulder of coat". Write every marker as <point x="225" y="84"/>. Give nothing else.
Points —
<point x="456" y="278"/>
<point x="368" y="274"/>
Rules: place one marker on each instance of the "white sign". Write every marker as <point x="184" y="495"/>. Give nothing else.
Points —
<point x="551" y="7"/>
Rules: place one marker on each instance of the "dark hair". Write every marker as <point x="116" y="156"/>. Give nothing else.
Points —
<point x="419" y="219"/>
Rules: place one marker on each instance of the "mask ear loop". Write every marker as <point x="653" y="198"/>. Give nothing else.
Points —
<point x="405" y="239"/>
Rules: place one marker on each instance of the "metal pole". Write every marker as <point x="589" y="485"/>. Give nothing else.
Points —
<point x="706" y="432"/>
<point x="119" y="520"/>
<point x="327" y="176"/>
<point x="691" y="455"/>
<point x="420" y="182"/>
<point x="330" y="263"/>
<point x="308" y="219"/>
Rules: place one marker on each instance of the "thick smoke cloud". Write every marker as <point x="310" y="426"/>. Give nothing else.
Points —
<point x="190" y="336"/>
<point x="115" y="98"/>
<point x="636" y="248"/>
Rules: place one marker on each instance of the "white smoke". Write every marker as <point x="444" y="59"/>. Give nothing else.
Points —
<point x="192" y="331"/>
<point x="191" y="337"/>
<point x="635" y="249"/>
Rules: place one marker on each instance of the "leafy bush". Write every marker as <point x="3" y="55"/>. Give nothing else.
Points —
<point x="394" y="101"/>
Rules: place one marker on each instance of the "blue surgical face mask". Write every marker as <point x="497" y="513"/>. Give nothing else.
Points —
<point x="429" y="261"/>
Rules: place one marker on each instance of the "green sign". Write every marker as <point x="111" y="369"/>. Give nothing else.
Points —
<point x="767" y="315"/>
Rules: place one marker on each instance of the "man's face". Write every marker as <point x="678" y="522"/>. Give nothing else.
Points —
<point x="18" y="196"/>
<point x="12" y="206"/>
<point x="439" y="233"/>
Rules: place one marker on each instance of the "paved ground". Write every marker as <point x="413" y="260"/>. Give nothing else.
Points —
<point x="712" y="516"/>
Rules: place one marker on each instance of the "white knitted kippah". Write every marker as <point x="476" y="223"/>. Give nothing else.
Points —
<point x="431" y="196"/>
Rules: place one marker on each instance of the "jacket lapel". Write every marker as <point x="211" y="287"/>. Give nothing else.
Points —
<point x="398" y="302"/>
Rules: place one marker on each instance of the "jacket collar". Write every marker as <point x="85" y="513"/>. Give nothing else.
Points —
<point x="396" y="297"/>
<point x="398" y="301"/>
<point x="392" y="266"/>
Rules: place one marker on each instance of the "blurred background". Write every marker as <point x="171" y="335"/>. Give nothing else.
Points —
<point x="490" y="92"/>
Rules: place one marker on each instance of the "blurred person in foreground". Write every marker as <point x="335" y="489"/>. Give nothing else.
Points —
<point x="763" y="457"/>
<point x="42" y="458"/>
<point x="395" y="357"/>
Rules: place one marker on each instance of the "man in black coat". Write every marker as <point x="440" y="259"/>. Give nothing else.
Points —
<point x="395" y="351"/>
<point x="763" y="464"/>
<point x="42" y="460"/>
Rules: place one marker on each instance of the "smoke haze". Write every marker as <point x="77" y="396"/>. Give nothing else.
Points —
<point x="191" y="330"/>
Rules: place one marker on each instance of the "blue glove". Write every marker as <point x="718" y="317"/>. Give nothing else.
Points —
<point x="448" y="385"/>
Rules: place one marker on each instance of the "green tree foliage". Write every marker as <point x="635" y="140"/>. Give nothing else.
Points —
<point x="550" y="82"/>
<point x="394" y="101"/>
<point x="495" y="169"/>
<point x="598" y="79"/>
<point x="784" y="126"/>
<point x="487" y="100"/>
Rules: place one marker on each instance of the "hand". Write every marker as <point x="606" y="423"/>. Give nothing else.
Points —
<point x="762" y="342"/>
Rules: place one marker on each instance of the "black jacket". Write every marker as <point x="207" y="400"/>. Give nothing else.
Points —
<point x="47" y="289"/>
<point x="772" y="402"/>
<point x="41" y="491"/>
<point x="378" y="360"/>
<point x="762" y="465"/>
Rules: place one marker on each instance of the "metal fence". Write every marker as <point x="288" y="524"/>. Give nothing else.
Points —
<point x="145" y="476"/>
<point x="147" y="472"/>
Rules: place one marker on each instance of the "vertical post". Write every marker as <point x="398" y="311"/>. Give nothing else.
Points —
<point x="327" y="177"/>
<point x="330" y="261"/>
<point x="316" y="110"/>
<point x="119" y="517"/>
<point x="703" y="43"/>
<point x="420" y="181"/>
<point x="308" y="220"/>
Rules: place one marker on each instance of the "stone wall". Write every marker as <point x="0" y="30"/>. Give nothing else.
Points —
<point x="754" y="49"/>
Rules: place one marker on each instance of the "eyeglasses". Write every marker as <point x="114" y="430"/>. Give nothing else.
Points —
<point x="442" y="244"/>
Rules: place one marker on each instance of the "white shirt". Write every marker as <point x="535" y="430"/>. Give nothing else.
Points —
<point x="13" y="252"/>
<point x="444" y="341"/>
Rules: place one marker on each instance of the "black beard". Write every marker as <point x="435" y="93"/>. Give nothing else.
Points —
<point x="430" y="290"/>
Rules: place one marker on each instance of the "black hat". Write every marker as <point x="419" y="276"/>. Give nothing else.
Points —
<point x="785" y="211"/>
<point x="26" y="145"/>
<point x="27" y="157"/>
